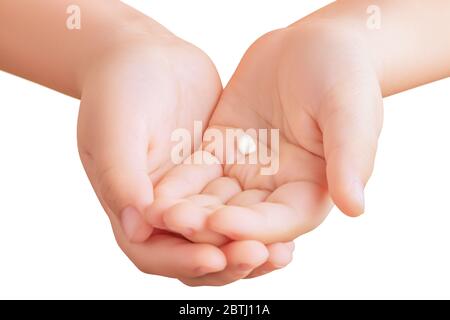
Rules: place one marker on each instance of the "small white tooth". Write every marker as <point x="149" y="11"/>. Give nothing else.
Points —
<point x="246" y="145"/>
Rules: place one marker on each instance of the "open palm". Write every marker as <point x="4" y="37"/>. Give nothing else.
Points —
<point x="130" y="106"/>
<point x="325" y="100"/>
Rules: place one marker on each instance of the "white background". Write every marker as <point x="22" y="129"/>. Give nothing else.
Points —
<point x="56" y="242"/>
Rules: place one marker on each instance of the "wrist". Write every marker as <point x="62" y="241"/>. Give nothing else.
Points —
<point x="347" y="44"/>
<point x="138" y="37"/>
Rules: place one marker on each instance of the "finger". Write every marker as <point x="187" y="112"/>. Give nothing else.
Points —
<point x="155" y="212"/>
<point x="291" y="210"/>
<point x="248" y="198"/>
<point x="280" y="255"/>
<point x="190" y="177"/>
<point x="115" y="159"/>
<point x="169" y="255"/>
<point x="351" y="124"/>
<point x="223" y="187"/>
<point x="175" y="257"/>
<point x="189" y="217"/>
<point x="242" y="258"/>
<point x="206" y="200"/>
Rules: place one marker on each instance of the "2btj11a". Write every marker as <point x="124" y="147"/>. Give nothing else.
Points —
<point x="246" y="309"/>
<point x="243" y="310"/>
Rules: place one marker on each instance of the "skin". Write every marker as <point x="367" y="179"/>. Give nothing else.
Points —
<point x="137" y="83"/>
<point x="320" y="82"/>
<point x="300" y="80"/>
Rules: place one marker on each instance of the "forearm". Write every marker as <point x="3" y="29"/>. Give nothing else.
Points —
<point x="36" y="43"/>
<point x="411" y="44"/>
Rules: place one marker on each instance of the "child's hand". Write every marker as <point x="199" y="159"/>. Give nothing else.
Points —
<point x="131" y="104"/>
<point x="138" y="83"/>
<point x="317" y="85"/>
<point x="316" y="82"/>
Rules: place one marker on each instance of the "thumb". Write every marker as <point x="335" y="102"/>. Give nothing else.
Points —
<point x="116" y="163"/>
<point x="127" y="192"/>
<point x="351" y="122"/>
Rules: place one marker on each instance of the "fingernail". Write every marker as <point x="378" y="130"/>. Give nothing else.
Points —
<point x="244" y="267"/>
<point x="290" y="245"/>
<point x="188" y="232"/>
<point x="131" y="220"/>
<point x="201" y="271"/>
<point x="359" y="190"/>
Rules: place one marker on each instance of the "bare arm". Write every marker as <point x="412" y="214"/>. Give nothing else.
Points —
<point x="36" y="42"/>
<point x="409" y="39"/>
